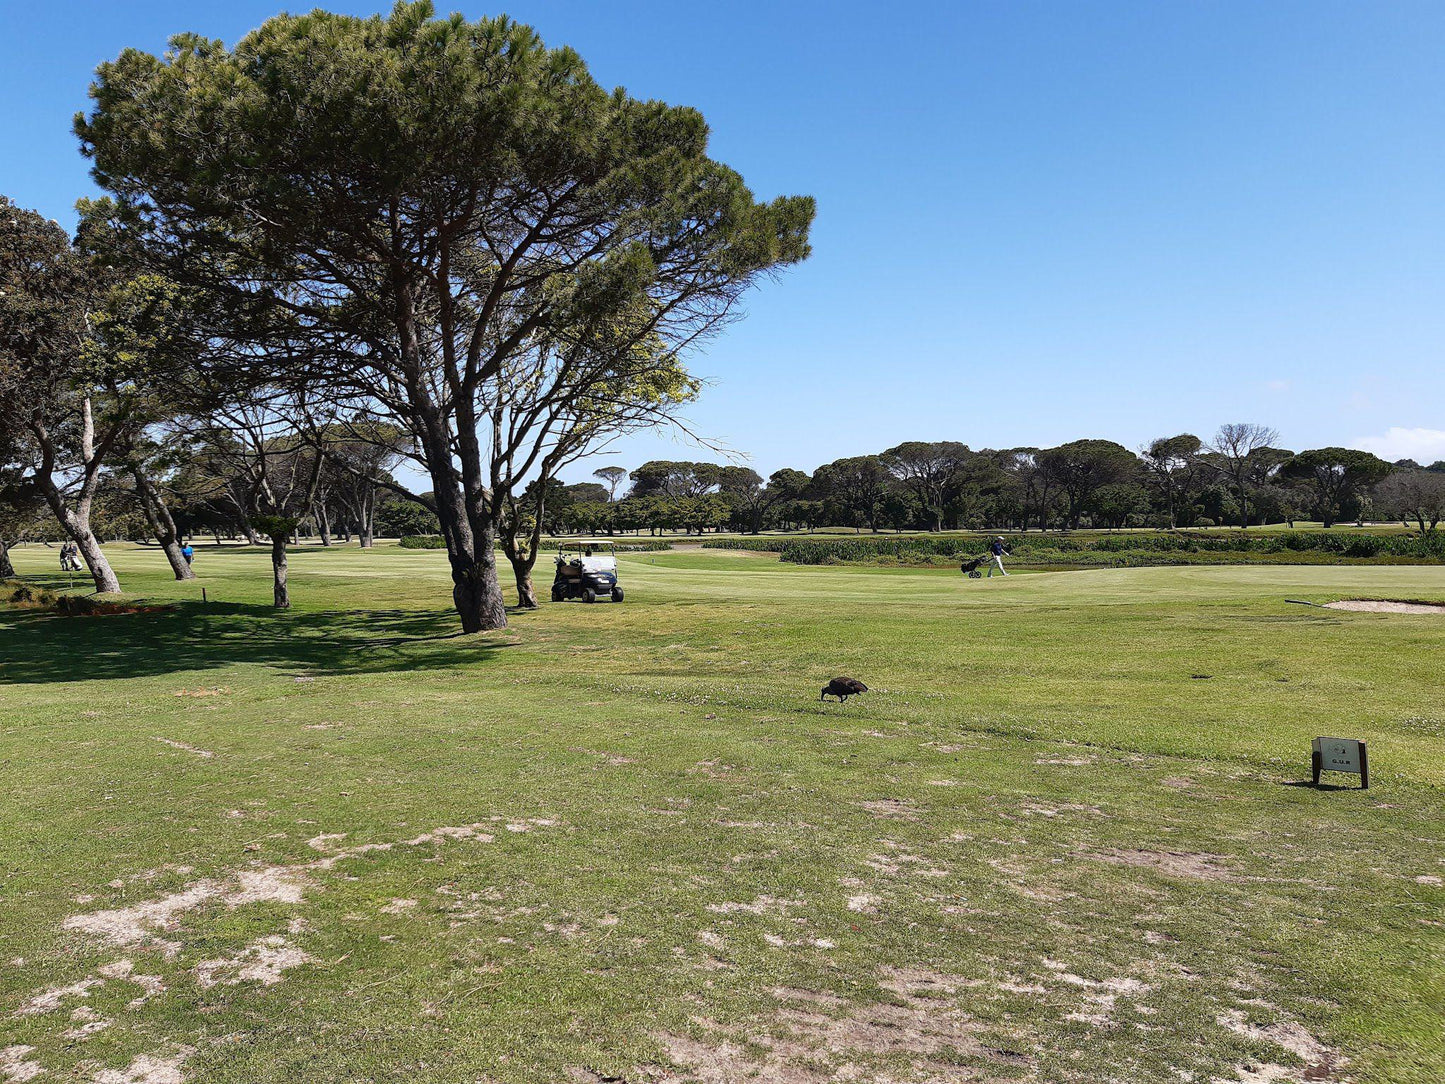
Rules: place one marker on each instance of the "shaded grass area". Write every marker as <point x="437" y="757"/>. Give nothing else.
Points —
<point x="1069" y="801"/>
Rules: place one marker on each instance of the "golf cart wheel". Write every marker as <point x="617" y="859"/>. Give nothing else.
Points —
<point x="589" y="595"/>
<point x="558" y="595"/>
<point x="617" y="594"/>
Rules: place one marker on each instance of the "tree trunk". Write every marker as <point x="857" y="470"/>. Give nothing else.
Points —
<point x="475" y="590"/>
<point x="472" y="554"/>
<point x="100" y="570"/>
<point x="323" y="524"/>
<point x="76" y="522"/>
<point x="281" y="597"/>
<point x="7" y="570"/>
<point x="458" y="499"/>
<point x="162" y="525"/>
<point x="366" y="524"/>
<point x="526" y="592"/>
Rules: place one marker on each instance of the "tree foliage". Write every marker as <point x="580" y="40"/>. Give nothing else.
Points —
<point x="470" y="237"/>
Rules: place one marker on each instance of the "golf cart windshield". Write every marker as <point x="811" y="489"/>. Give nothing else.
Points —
<point x="589" y="554"/>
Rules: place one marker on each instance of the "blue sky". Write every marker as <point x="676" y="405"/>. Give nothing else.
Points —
<point x="1036" y="221"/>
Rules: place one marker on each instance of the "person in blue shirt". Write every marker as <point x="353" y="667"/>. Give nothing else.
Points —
<point x="187" y="553"/>
<point x="997" y="549"/>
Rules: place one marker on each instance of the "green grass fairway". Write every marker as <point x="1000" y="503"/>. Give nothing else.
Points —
<point x="1063" y="840"/>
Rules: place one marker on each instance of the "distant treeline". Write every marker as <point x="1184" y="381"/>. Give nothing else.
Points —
<point x="1242" y="477"/>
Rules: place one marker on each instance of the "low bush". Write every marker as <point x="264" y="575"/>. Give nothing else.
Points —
<point x="631" y="545"/>
<point x="643" y="545"/>
<point x="27" y="596"/>
<point x="1123" y="550"/>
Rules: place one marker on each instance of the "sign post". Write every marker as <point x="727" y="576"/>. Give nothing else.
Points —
<point x="1340" y="755"/>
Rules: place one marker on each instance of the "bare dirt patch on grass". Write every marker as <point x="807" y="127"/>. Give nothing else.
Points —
<point x="763" y="905"/>
<point x="1187" y="864"/>
<point x="87" y="1022"/>
<point x="1048" y="810"/>
<point x="141" y="923"/>
<point x="1027" y="881"/>
<point x="145" y="1069"/>
<point x="1320" y="1061"/>
<point x="890" y="809"/>
<point x="262" y="961"/>
<point x="1100" y="995"/>
<point x="896" y="861"/>
<point x="154" y="924"/>
<point x="52" y="999"/>
<point x="150" y="985"/>
<point x="817" y="1038"/>
<point x="15" y="1063"/>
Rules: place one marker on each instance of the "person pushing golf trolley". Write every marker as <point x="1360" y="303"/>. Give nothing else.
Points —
<point x="997" y="551"/>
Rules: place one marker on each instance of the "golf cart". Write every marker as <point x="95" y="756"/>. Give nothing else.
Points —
<point x="586" y="569"/>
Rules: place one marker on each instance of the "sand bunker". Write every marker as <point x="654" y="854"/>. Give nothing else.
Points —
<point x="1376" y="606"/>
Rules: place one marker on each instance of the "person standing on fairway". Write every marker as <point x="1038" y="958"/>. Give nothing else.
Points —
<point x="188" y="553"/>
<point x="996" y="548"/>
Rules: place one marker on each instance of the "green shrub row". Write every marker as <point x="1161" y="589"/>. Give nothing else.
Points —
<point x="1120" y="551"/>
<point x="631" y="545"/>
<point x="643" y="545"/>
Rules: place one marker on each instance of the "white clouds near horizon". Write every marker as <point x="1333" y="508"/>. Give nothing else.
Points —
<point x="1424" y="446"/>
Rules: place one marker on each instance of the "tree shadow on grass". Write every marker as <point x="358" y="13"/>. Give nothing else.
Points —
<point x="37" y="647"/>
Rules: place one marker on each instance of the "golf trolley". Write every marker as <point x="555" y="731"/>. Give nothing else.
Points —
<point x="586" y="569"/>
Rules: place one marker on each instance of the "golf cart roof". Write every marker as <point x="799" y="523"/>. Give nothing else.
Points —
<point x="587" y="542"/>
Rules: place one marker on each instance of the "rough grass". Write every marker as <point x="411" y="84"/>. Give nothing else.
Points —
<point x="1062" y="840"/>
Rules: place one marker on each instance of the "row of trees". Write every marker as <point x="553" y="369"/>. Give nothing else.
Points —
<point x="434" y="238"/>
<point x="1241" y="477"/>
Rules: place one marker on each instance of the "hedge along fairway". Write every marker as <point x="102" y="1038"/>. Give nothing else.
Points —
<point x="1125" y="550"/>
<point x="1058" y="841"/>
